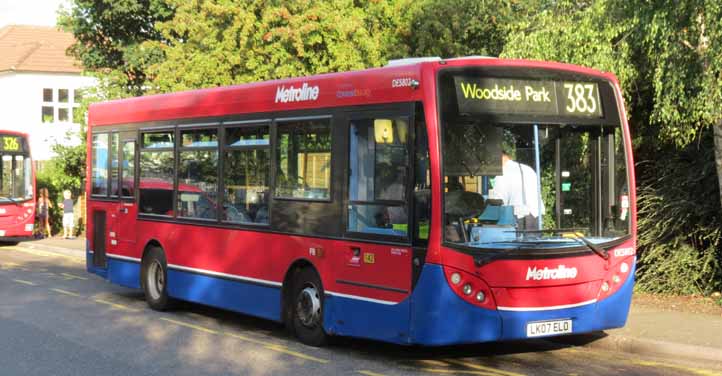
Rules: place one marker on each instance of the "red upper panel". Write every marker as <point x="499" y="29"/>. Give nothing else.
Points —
<point x="378" y="85"/>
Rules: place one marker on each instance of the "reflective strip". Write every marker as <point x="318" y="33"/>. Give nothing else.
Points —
<point x="356" y="297"/>
<point x="231" y="276"/>
<point x="528" y="309"/>
<point x="113" y="255"/>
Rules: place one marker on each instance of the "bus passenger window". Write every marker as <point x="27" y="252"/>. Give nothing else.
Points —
<point x="246" y="166"/>
<point x="304" y="159"/>
<point x="378" y="165"/>
<point x="198" y="174"/>
<point x="156" y="173"/>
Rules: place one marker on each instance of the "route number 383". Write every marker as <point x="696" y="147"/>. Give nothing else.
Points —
<point x="582" y="98"/>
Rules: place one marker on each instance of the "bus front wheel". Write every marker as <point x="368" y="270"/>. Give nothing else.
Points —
<point x="307" y="308"/>
<point x="154" y="279"/>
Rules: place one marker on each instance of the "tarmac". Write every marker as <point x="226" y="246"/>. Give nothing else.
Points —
<point x="649" y="331"/>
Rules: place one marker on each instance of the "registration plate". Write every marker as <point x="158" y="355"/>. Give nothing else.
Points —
<point x="548" y="328"/>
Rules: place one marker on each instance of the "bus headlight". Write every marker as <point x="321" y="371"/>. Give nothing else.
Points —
<point x="467" y="289"/>
<point x="455" y="278"/>
<point x="480" y="297"/>
<point x="624" y="267"/>
<point x="605" y="286"/>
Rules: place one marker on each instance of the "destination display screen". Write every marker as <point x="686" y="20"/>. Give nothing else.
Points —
<point x="487" y="95"/>
<point x="12" y="143"/>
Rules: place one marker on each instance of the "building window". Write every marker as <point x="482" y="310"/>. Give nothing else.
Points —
<point x="58" y="105"/>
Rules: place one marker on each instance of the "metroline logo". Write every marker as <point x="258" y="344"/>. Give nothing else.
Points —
<point x="561" y="272"/>
<point x="292" y="94"/>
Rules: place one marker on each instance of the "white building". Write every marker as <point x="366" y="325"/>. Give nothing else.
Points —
<point x="40" y="86"/>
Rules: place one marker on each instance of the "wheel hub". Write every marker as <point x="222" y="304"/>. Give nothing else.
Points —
<point x="308" y="306"/>
<point x="156" y="280"/>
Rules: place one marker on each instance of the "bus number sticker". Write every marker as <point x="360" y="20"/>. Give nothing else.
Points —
<point x="369" y="258"/>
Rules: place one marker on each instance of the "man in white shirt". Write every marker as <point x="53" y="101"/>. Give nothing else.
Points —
<point x="518" y="187"/>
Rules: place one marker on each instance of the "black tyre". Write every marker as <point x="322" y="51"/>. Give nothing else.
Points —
<point x="306" y="308"/>
<point x="154" y="280"/>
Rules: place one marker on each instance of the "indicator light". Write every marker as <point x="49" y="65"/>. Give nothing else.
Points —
<point x="624" y="267"/>
<point x="455" y="278"/>
<point x="605" y="286"/>
<point x="480" y="296"/>
<point x="616" y="279"/>
<point x="467" y="289"/>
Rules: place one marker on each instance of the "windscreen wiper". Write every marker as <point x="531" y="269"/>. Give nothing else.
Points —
<point x="577" y="235"/>
<point x="12" y="200"/>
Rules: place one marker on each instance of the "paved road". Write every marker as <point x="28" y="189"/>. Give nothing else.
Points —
<point x="55" y="319"/>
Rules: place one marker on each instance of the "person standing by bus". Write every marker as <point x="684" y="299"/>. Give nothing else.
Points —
<point x="44" y="205"/>
<point x="517" y="186"/>
<point x="68" y="218"/>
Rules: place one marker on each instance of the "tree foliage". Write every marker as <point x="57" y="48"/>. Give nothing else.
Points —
<point x="462" y="28"/>
<point x="217" y="43"/>
<point x="109" y="38"/>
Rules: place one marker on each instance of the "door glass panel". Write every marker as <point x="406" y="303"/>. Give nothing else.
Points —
<point x="378" y="165"/>
<point x="114" y="168"/>
<point x="128" y="169"/>
<point x="99" y="173"/>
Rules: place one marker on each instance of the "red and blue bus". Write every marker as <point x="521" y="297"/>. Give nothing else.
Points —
<point x="17" y="188"/>
<point x="426" y="202"/>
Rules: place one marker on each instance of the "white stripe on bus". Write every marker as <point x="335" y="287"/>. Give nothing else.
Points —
<point x="547" y="308"/>
<point x="256" y="280"/>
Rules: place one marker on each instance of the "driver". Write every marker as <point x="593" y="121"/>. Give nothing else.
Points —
<point x="518" y="187"/>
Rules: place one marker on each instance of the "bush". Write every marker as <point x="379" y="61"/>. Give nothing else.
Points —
<point x="64" y="171"/>
<point x="680" y="231"/>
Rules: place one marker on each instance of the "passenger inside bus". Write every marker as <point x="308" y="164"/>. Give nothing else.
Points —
<point x="517" y="187"/>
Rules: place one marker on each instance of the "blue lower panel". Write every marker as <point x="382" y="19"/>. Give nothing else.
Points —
<point x="124" y="273"/>
<point x="440" y="317"/>
<point x="364" y="319"/>
<point x="103" y="272"/>
<point x="252" y="299"/>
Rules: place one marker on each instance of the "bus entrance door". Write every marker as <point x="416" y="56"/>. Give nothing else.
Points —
<point x="127" y="208"/>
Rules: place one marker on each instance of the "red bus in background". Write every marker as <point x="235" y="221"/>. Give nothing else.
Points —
<point x="427" y="202"/>
<point x="17" y="188"/>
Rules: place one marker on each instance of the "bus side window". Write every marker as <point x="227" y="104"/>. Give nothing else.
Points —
<point x="156" y="173"/>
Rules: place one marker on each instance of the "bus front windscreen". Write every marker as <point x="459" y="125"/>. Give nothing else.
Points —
<point x="16" y="173"/>
<point x="523" y="171"/>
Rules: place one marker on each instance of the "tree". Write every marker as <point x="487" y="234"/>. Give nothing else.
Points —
<point x="681" y="56"/>
<point x="462" y="28"/>
<point x="662" y="53"/>
<point x="213" y="43"/>
<point x="109" y="36"/>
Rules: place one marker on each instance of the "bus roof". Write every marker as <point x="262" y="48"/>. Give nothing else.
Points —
<point x="395" y="83"/>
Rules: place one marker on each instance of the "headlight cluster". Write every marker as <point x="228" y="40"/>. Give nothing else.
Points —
<point x="469" y="287"/>
<point x="619" y="274"/>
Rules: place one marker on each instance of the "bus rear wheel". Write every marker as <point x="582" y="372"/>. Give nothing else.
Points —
<point x="306" y="307"/>
<point x="154" y="280"/>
